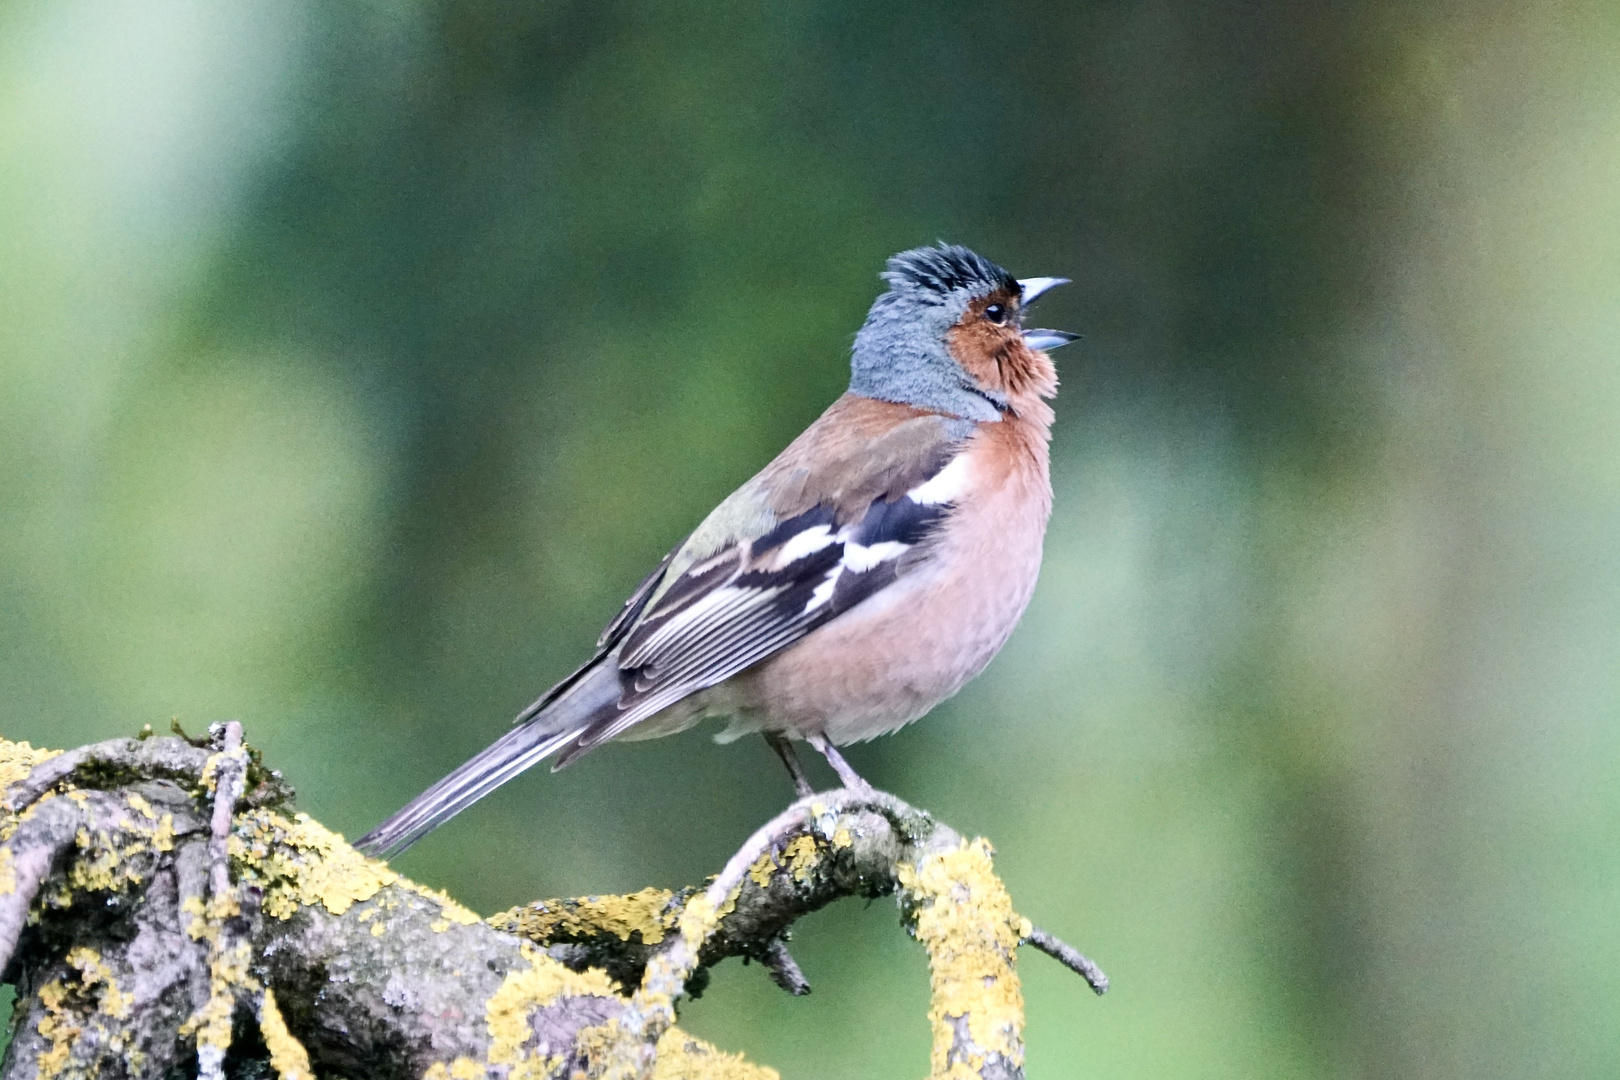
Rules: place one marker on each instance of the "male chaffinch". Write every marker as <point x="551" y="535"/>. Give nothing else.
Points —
<point x="858" y="580"/>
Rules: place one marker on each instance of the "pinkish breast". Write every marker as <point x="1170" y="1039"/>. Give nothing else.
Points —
<point x="889" y="660"/>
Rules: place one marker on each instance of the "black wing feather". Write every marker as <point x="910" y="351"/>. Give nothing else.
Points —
<point x="757" y="608"/>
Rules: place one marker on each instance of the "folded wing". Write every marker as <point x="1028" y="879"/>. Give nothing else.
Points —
<point x="845" y="525"/>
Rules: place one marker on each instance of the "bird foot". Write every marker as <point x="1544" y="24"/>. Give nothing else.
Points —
<point x="851" y="779"/>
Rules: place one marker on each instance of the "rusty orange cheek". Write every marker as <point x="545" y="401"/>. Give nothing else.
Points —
<point x="986" y="352"/>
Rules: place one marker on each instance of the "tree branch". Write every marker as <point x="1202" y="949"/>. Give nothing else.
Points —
<point x="1069" y="957"/>
<point x="149" y="911"/>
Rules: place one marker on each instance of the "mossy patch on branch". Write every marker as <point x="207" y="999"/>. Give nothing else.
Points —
<point x="962" y="914"/>
<point x="647" y="914"/>
<point x="287" y="1055"/>
<point x="299" y="861"/>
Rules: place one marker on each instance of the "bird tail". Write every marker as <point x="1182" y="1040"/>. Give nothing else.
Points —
<point x="540" y="733"/>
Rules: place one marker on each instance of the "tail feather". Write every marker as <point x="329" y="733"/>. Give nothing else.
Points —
<point x="531" y="742"/>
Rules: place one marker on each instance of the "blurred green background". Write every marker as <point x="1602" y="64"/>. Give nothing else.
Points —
<point x="356" y="360"/>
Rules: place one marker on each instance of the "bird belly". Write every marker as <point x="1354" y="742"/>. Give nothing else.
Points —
<point x="890" y="659"/>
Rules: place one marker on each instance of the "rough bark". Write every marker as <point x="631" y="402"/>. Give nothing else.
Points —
<point x="163" y="913"/>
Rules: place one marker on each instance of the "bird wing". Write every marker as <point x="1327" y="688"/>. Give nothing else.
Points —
<point x="842" y="514"/>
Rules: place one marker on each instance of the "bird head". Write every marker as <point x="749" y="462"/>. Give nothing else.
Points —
<point x="949" y="336"/>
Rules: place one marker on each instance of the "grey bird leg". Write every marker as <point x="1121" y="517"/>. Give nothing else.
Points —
<point x="790" y="758"/>
<point x="851" y="779"/>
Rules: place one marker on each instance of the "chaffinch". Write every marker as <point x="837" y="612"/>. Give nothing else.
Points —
<point x="858" y="580"/>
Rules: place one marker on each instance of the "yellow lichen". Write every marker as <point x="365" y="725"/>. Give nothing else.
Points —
<point x="101" y="867"/>
<point x="210" y="772"/>
<point x="841" y="838"/>
<point x="595" y="1047"/>
<point x="163" y="835"/>
<point x="206" y="918"/>
<point x="966" y="921"/>
<point x="287" y="1055"/>
<point x="88" y="1010"/>
<point x="681" y="1057"/>
<point x="18" y="759"/>
<point x="94" y="972"/>
<point x="197" y="927"/>
<point x="301" y="862"/>
<point x="449" y="907"/>
<point x="801" y="856"/>
<point x="439" y="925"/>
<point x="762" y="869"/>
<point x="541" y="984"/>
<point x="645" y="913"/>
<point x="228" y="972"/>
<point x="700" y="917"/>
<point x="378" y="929"/>
<point x="698" y="920"/>
<point x="142" y="807"/>
<point x="653" y="1007"/>
<point x="59" y="1025"/>
<point x="8" y="872"/>
<point x="462" y="1068"/>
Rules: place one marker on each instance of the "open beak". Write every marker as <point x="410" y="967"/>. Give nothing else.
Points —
<point x="1031" y="290"/>
<point x="1048" y="340"/>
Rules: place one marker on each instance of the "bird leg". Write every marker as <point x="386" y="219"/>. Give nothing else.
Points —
<point x="790" y="758"/>
<point x="851" y="779"/>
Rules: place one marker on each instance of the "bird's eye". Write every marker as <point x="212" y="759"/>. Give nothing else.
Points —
<point x="996" y="313"/>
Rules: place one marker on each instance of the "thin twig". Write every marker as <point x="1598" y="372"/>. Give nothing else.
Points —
<point x="785" y="971"/>
<point x="780" y="829"/>
<point x="114" y="762"/>
<point x="28" y="855"/>
<point x="28" y="868"/>
<point x="229" y="776"/>
<point x="230" y="772"/>
<point x="1069" y="957"/>
<point x="46" y="775"/>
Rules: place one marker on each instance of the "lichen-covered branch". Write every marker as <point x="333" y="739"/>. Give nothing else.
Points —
<point x="136" y="948"/>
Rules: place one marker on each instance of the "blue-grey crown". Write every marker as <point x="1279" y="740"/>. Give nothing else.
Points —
<point x="901" y="353"/>
<point x="946" y="269"/>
